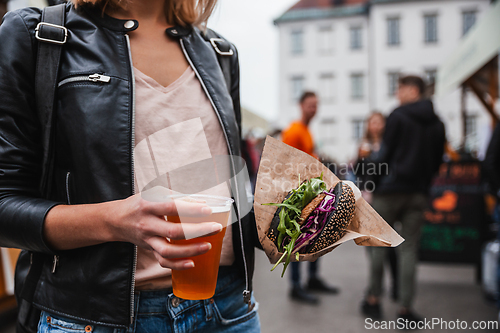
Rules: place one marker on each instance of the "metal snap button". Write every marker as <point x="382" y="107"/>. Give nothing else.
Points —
<point x="88" y="328"/>
<point x="129" y="24"/>
<point x="175" y="302"/>
<point x="174" y="31"/>
<point x="211" y="301"/>
<point x="49" y="319"/>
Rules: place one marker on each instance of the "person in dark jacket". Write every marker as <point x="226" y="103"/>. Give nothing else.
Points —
<point x="136" y="79"/>
<point x="491" y="166"/>
<point x="410" y="155"/>
<point x="492" y="162"/>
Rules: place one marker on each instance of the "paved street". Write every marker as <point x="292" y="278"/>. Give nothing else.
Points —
<point x="444" y="291"/>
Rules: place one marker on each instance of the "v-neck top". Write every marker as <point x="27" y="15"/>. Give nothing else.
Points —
<point x="175" y="126"/>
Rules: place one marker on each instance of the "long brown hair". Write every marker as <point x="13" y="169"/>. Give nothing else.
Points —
<point x="368" y="136"/>
<point x="179" y="12"/>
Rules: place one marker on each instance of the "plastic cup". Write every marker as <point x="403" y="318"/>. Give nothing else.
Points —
<point x="199" y="282"/>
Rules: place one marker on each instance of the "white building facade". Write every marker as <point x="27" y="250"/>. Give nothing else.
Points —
<point x="352" y="53"/>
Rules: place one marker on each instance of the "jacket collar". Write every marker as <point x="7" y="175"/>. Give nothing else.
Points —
<point x="98" y="16"/>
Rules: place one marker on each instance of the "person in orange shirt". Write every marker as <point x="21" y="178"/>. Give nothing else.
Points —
<point x="298" y="136"/>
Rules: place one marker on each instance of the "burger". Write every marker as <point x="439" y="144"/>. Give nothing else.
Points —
<point x="311" y="218"/>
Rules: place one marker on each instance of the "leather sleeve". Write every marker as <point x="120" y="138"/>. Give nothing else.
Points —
<point x="22" y="210"/>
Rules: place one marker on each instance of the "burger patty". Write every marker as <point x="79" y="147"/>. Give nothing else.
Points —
<point x="310" y="208"/>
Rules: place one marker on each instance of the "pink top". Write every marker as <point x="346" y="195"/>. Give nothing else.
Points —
<point x="174" y="126"/>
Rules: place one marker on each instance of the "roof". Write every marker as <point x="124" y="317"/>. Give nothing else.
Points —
<point x="326" y="3"/>
<point x="317" y="9"/>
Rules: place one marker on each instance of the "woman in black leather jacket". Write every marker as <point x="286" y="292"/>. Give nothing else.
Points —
<point x="83" y="234"/>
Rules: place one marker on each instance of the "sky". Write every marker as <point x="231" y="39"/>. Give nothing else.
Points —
<point x="249" y="26"/>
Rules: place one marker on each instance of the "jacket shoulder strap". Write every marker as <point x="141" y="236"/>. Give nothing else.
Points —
<point x="51" y="35"/>
<point x="224" y="52"/>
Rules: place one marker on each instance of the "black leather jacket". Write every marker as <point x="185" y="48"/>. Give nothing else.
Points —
<point x="93" y="154"/>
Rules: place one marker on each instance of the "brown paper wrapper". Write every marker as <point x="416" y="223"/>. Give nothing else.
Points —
<point x="279" y="171"/>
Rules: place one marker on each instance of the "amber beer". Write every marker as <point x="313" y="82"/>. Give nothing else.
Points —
<point x="200" y="281"/>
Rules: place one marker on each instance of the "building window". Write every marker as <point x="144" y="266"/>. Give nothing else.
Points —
<point x="327" y="88"/>
<point x="325" y="40"/>
<point x="468" y="20"/>
<point x="327" y="130"/>
<point x="297" y="85"/>
<point x="431" y="34"/>
<point x="392" y="80"/>
<point x="393" y="31"/>
<point x="356" y="38"/>
<point x="358" y="129"/>
<point x="297" y="42"/>
<point x="357" y="91"/>
<point x="430" y="75"/>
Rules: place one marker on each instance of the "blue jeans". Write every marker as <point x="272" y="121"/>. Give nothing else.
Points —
<point x="295" y="275"/>
<point x="162" y="312"/>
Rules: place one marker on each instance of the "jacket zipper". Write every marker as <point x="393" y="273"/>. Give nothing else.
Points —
<point x="86" y="78"/>
<point x="67" y="188"/>
<point x="133" y="177"/>
<point x="55" y="260"/>
<point x="246" y="292"/>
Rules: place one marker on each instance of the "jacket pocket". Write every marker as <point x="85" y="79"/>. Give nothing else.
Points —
<point x="85" y="78"/>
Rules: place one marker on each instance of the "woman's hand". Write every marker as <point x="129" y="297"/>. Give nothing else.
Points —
<point x="133" y="220"/>
<point x="143" y="223"/>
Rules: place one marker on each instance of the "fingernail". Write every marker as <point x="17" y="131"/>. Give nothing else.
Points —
<point x="205" y="247"/>
<point x="216" y="227"/>
<point x="189" y="264"/>
<point x="206" y="210"/>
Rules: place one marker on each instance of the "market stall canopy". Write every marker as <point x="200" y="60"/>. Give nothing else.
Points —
<point x="478" y="48"/>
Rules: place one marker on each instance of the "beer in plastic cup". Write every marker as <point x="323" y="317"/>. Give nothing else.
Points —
<point x="200" y="281"/>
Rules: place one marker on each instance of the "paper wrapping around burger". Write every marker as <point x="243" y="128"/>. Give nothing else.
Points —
<point x="279" y="171"/>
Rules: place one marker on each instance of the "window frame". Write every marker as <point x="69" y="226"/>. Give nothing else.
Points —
<point x="353" y="46"/>
<point x="357" y="128"/>
<point x="328" y="130"/>
<point x="329" y="31"/>
<point x="465" y="12"/>
<point x="435" y="36"/>
<point x="294" y="50"/>
<point x="295" y="95"/>
<point x="397" y="40"/>
<point x="393" y="79"/>
<point x="332" y="95"/>
<point x="355" y="96"/>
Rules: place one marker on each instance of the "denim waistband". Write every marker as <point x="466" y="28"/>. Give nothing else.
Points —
<point x="163" y="301"/>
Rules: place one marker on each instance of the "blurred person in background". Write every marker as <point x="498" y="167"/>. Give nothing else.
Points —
<point x="412" y="148"/>
<point x="370" y="144"/>
<point x="492" y="169"/>
<point x="298" y="136"/>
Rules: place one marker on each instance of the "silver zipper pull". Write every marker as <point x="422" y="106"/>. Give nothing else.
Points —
<point x="99" y="78"/>
<point x="54" y="264"/>
<point x="247" y="298"/>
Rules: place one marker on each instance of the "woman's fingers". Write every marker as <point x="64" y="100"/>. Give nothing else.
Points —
<point x="173" y="255"/>
<point x="178" y="208"/>
<point x="163" y="228"/>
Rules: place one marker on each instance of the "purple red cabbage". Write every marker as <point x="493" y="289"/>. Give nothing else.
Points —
<point x="312" y="227"/>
